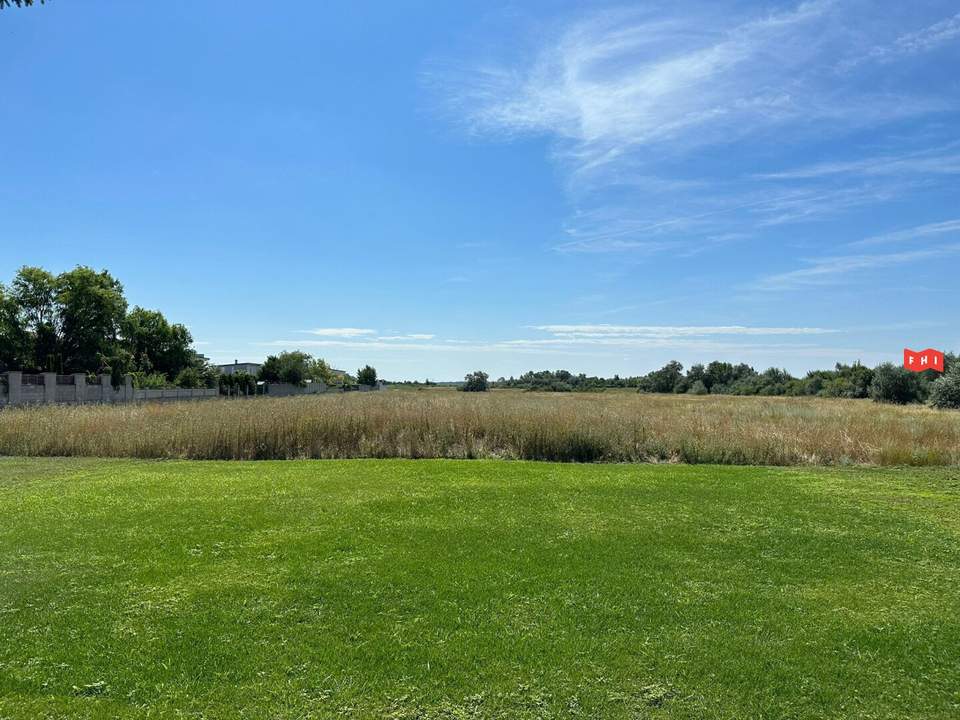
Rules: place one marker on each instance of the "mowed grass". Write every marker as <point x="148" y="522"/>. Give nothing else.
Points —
<point x="476" y="589"/>
<point x="572" y="427"/>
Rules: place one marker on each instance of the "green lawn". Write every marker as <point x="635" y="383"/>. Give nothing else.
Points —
<point x="448" y="589"/>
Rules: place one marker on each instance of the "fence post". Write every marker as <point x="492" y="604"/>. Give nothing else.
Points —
<point x="49" y="388"/>
<point x="80" y="387"/>
<point x="106" y="389"/>
<point x="14" y="385"/>
<point x="128" y="388"/>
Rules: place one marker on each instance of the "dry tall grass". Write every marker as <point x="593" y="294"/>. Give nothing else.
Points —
<point x="611" y="426"/>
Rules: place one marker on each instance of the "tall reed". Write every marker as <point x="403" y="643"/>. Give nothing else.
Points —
<point x="604" y="427"/>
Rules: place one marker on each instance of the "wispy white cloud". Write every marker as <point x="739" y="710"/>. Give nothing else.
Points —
<point x="831" y="270"/>
<point x="947" y="227"/>
<point x="940" y="160"/>
<point x="341" y="332"/>
<point x="412" y="336"/>
<point x="912" y="43"/>
<point x="626" y="96"/>
<point x="671" y="331"/>
<point x="618" y="82"/>
<point x="568" y="346"/>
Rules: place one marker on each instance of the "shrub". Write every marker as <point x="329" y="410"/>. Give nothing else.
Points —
<point x="698" y="388"/>
<point x="367" y="376"/>
<point x="190" y="378"/>
<point x="287" y="367"/>
<point x="894" y="384"/>
<point x="945" y="391"/>
<point x="152" y="381"/>
<point x="475" y="382"/>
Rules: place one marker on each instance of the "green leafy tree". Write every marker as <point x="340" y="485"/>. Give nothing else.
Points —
<point x="367" y="376"/>
<point x="35" y="292"/>
<point x="14" y="339"/>
<point x="894" y="384"/>
<point x="666" y="378"/>
<point x="156" y="344"/>
<point x="91" y="310"/>
<point x="287" y="367"/>
<point x="475" y="382"/>
<point x="190" y="377"/>
<point x="318" y="369"/>
<point x="945" y="391"/>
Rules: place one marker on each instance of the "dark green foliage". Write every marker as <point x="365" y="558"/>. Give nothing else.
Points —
<point x="475" y="382"/>
<point x="894" y="385"/>
<point x="78" y="322"/>
<point x="35" y="293"/>
<point x="296" y="368"/>
<point x="664" y="379"/>
<point x="367" y="376"/>
<point x="150" y="381"/>
<point x="564" y="381"/>
<point x="156" y="345"/>
<point x="14" y="339"/>
<point x="945" y="391"/>
<point x="189" y="378"/>
<point x="723" y="378"/>
<point x="240" y="383"/>
<point x="91" y="308"/>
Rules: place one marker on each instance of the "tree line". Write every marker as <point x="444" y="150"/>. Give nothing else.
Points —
<point x="79" y="322"/>
<point x="884" y="383"/>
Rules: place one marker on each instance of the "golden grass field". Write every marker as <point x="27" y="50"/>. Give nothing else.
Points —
<point x="615" y="426"/>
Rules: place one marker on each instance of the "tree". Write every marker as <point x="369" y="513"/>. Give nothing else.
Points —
<point x="475" y="382"/>
<point x="91" y="309"/>
<point x="14" y="340"/>
<point x="666" y="378"/>
<point x="190" y="377"/>
<point x="287" y="367"/>
<point x="318" y="369"/>
<point x="35" y="292"/>
<point x="894" y="384"/>
<point x="367" y="376"/>
<point x="155" y="344"/>
<point x="945" y="391"/>
<point x="18" y="3"/>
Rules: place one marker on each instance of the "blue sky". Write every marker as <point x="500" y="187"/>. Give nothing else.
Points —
<point x="437" y="187"/>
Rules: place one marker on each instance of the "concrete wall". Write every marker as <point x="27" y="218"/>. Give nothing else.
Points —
<point x="174" y="394"/>
<point x="286" y="389"/>
<point x="77" y="391"/>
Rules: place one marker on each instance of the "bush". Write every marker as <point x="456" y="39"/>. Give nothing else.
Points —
<point x="475" y="382"/>
<point x="367" y="376"/>
<point x="152" y="381"/>
<point x="894" y="384"/>
<point x="945" y="391"/>
<point x="190" y="378"/>
<point x="698" y="388"/>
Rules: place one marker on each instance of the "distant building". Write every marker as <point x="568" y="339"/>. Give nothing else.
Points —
<point x="239" y="367"/>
